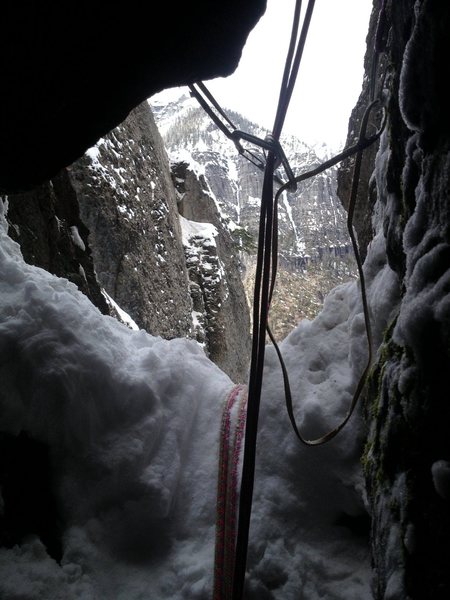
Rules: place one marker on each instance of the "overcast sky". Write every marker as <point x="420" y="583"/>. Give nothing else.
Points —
<point x="330" y="75"/>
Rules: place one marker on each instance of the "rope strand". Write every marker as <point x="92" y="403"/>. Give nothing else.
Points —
<point x="267" y="262"/>
<point x="360" y="146"/>
<point x="262" y="291"/>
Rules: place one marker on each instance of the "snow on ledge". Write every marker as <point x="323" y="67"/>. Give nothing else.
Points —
<point x="194" y="229"/>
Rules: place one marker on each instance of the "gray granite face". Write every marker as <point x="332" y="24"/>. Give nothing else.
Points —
<point x="214" y="270"/>
<point x="127" y="202"/>
<point x="111" y="224"/>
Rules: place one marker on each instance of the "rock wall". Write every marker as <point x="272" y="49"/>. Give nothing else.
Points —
<point x="46" y="223"/>
<point x="127" y="202"/>
<point x="214" y="271"/>
<point x="407" y="456"/>
<point x="366" y="194"/>
<point x="110" y="224"/>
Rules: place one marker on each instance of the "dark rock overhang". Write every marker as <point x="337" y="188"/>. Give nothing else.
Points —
<point x="72" y="71"/>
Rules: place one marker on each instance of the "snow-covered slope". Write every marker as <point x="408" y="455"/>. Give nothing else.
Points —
<point x="132" y="425"/>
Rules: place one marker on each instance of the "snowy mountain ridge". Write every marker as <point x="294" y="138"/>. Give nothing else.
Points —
<point x="314" y="247"/>
<point x="312" y="220"/>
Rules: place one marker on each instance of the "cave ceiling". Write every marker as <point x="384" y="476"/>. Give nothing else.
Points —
<point x="72" y="71"/>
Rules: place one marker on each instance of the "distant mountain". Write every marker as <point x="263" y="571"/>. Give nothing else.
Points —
<point x="313" y="238"/>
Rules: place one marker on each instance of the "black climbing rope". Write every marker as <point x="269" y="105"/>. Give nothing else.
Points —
<point x="262" y="289"/>
<point x="267" y="253"/>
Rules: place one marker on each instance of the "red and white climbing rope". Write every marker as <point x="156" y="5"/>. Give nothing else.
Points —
<point x="230" y="452"/>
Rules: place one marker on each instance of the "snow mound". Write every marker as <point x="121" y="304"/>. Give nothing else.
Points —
<point x="132" y="422"/>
